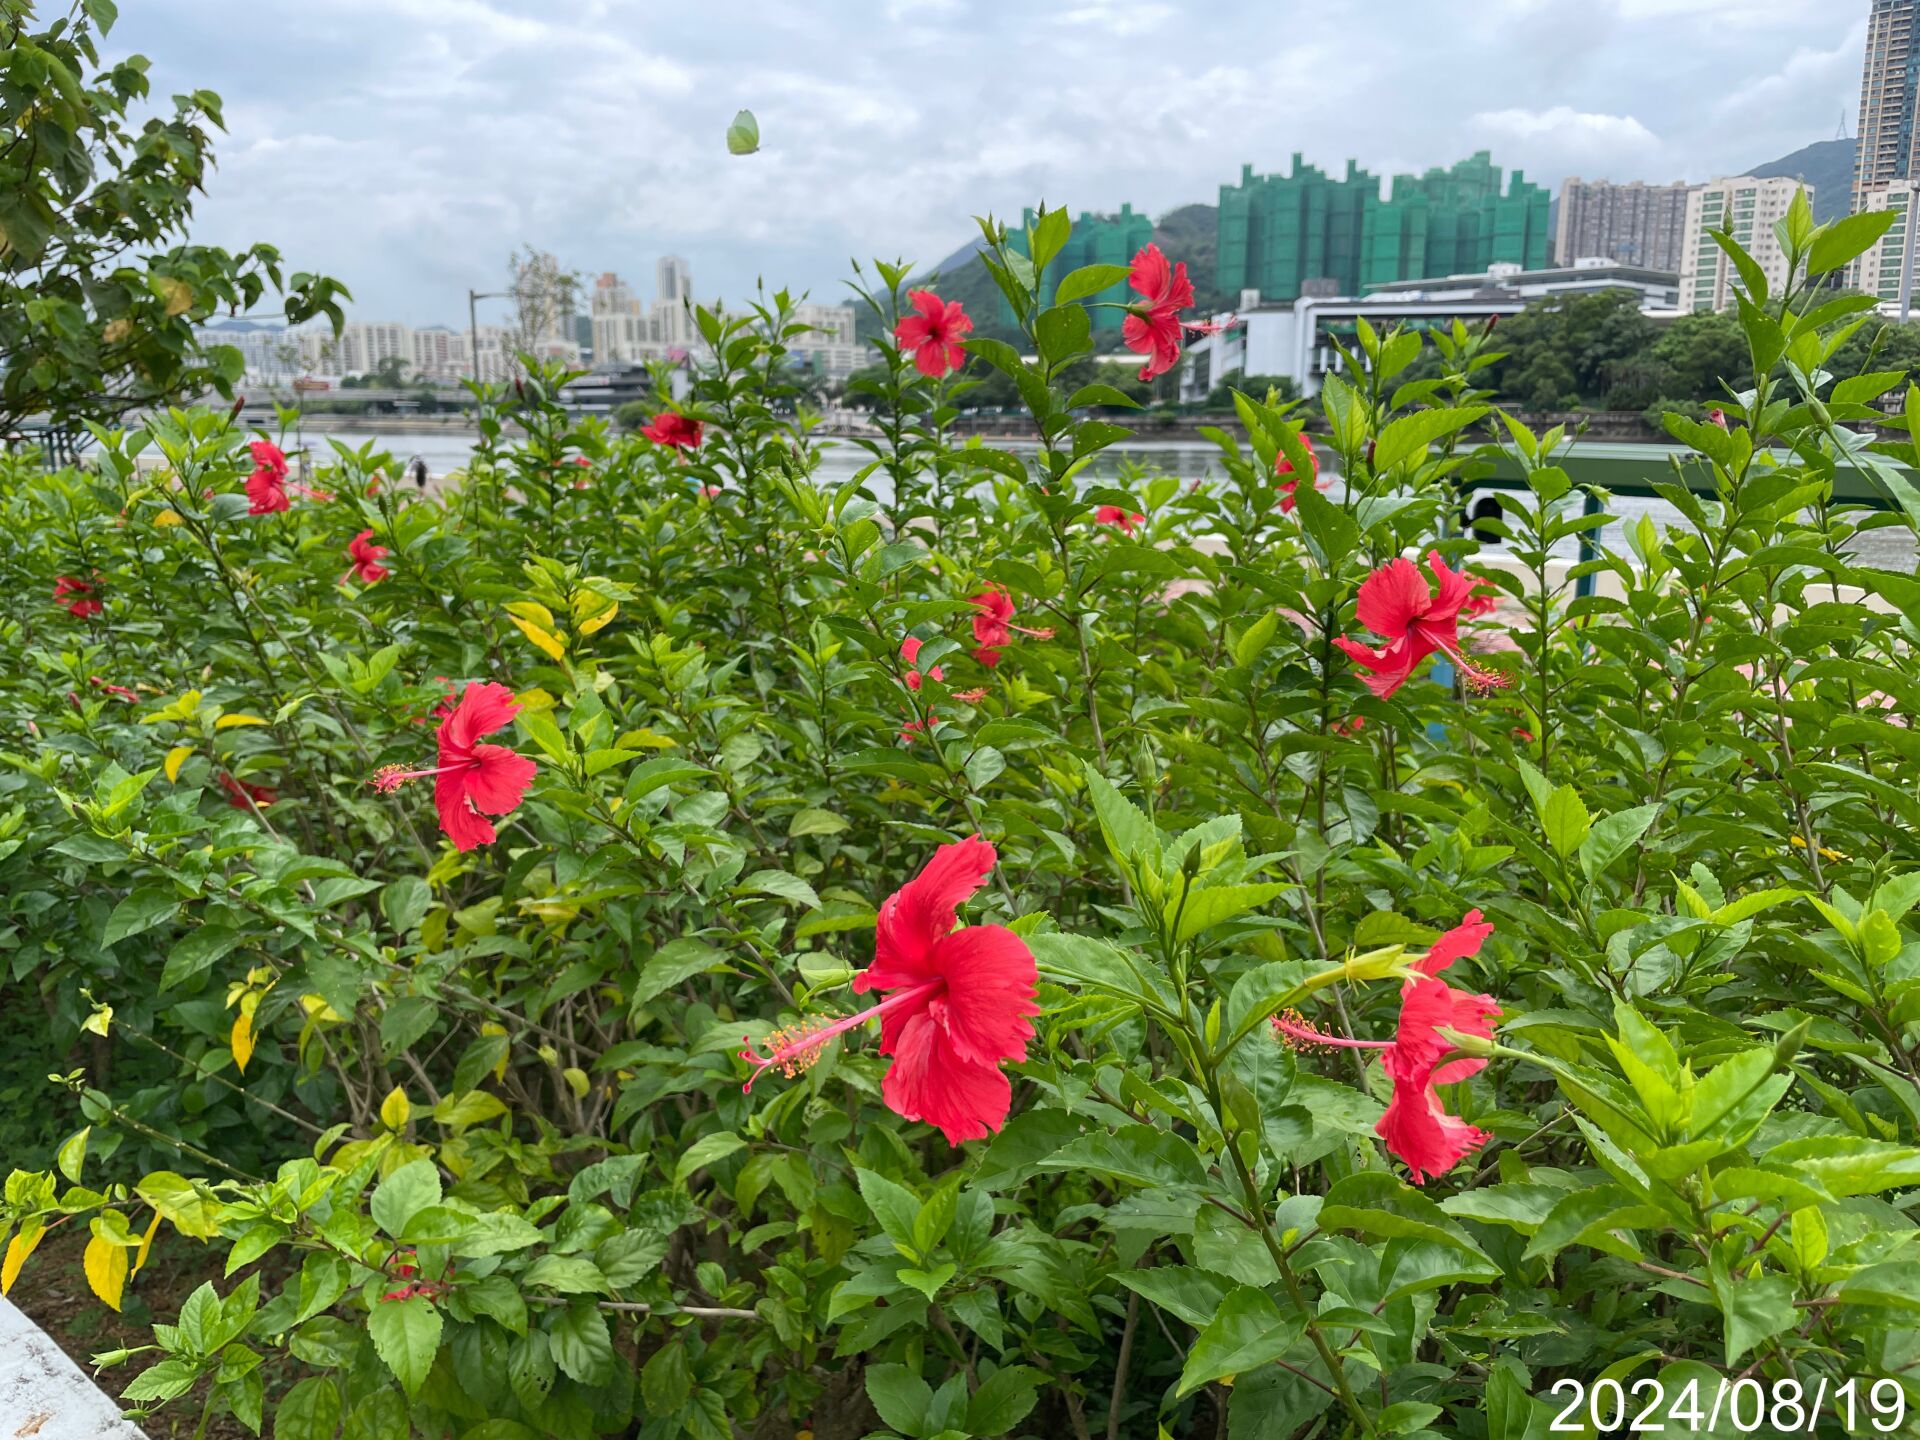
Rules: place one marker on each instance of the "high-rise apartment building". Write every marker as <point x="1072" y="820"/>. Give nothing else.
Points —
<point x="1888" y="82"/>
<point x="1306" y="232"/>
<point x="1877" y="271"/>
<point x="1094" y="240"/>
<point x="673" y="279"/>
<point x="1635" y="223"/>
<point x="829" y="346"/>
<point x="1749" y="208"/>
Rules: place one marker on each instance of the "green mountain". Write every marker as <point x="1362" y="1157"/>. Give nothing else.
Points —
<point x="1827" y="166"/>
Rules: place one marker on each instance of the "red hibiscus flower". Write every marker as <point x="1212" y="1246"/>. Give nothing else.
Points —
<point x="1717" y="416"/>
<point x="472" y="780"/>
<point x="670" y="428"/>
<point x="119" y="691"/>
<point x="1484" y="600"/>
<point x="993" y="615"/>
<point x="1284" y="466"/>
<point x="267" y="493"/>
<point x="973" y="696"/>
<point x="83" y="603"/>
<point x="1152" y="326"/>
<point x="269" y="457"/>
<point x="933" y="333"/>
<point x="242" y="796"/>
<point x="366" y="558"/>
<point x="1351" y="726"/>
<point x="910" y="652"/>
<point x="959" y="1002"/>
<point x="1395" y="605"/>
<point x="1114" y="515"/>
<point x="1415" y="1127"/>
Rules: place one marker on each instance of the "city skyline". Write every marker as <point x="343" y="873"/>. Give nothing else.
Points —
<point x="410" y="169"/>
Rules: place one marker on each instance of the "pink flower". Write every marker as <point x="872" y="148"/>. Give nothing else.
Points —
<point x="1114" y="515"/>
<point x="1395" y="605"/>
<point x="472" y="780"/>
<point x="959" y="1003"/>
<point x="973" y="696"/>
<point x="366" y="558"/>
<point x="1152" y="326"/>
<point x="933" y="333"/>
<point x="1484" y="600"/>
<point x="1209" y="327"/>
<point x="118" y="691"/>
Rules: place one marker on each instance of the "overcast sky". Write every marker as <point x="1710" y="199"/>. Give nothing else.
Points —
<point x="407" y="146"/>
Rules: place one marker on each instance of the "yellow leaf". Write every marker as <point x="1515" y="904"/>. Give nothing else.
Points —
<point x="546" y="640"/>
<point x="146" y="1243"/>
<point x="241" y="1041"/>
<point x="493" y="1027"/>
<point x="318" y="1009"/>
<point x="18" y="1249"/>
<point x="597" y="619"/>
<point x="177" y="757"/>
<point x="106" y="1266"/>
<point x="229" y="722"/>
<point x="534" y="700"/>
<point x="99" y="1021"/>
<point x="577" y="1081"/>
<point x="396" y="1110"/>
<point x="169" y="516"/>
<point x="531" y="610"/>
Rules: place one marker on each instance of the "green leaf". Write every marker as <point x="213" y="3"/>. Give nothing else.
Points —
<point x="675" y="963"/>
<point x="145" y="908"/>
<point x="1756" y="1308"/>
<point x="1003" y="1400"/>
<point x="309" y="1411"/>
<point x="73" y="1154"/>
<point x="1185" y="1291"/>
<point x="1565" y="820"/>
<point x="1410" y="435"/>
<point x="1138" y="1153"/>
<point x="894" y="1206"/>
<point x="704" y="1152"/>
<point x="1611" y="837"/>
<point x="900" y="1397"/>
<point x="406" y="1335"/>
<point x="1247" y="1331"/>
<point x="403" y="1194"/>
<point x="1843" y="239"/>
<point x="581" y="1346"/>
<point x="1090" y="280"/>
<point x="743" y="135"/>
<point x="1374" y="1203"/>
<point x="196" y="952"/>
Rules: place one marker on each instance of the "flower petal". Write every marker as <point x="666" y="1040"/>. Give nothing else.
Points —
<point x="1392" y="598"/>
<point x="928" y="1081"/>
<point x="991" y="984"/>
<point x="921" y="912"/>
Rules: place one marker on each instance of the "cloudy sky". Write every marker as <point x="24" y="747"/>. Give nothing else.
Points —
<point x="408" y="146"/>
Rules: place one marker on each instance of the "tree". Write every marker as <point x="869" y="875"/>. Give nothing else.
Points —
<point x="544" y="296"/>
<point x="1563" y="352"/>
<point x="99" y="291"/>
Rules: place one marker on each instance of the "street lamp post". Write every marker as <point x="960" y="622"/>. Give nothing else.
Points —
<point x="474" y="297"/>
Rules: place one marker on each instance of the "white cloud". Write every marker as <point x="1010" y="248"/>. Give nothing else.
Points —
<point x="408" y="145"/>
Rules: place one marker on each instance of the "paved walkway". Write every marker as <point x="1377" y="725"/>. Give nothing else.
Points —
<point x="44" y="1395"/>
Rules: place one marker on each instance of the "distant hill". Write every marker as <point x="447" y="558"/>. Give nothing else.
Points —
<point x="1827" y="166"/>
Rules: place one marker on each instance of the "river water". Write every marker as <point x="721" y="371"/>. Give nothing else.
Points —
<point x="448" y="449"/>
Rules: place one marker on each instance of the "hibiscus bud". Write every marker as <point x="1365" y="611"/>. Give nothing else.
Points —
<point x="1492" y="320"/>
<point x="1370" y="445"/>
<point x="1478" y="1046"/>
<point x="239" y="404"/>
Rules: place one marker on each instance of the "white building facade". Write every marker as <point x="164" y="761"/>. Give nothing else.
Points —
<point x="1748" y="207"/>
<point x="1877" y="271"/>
